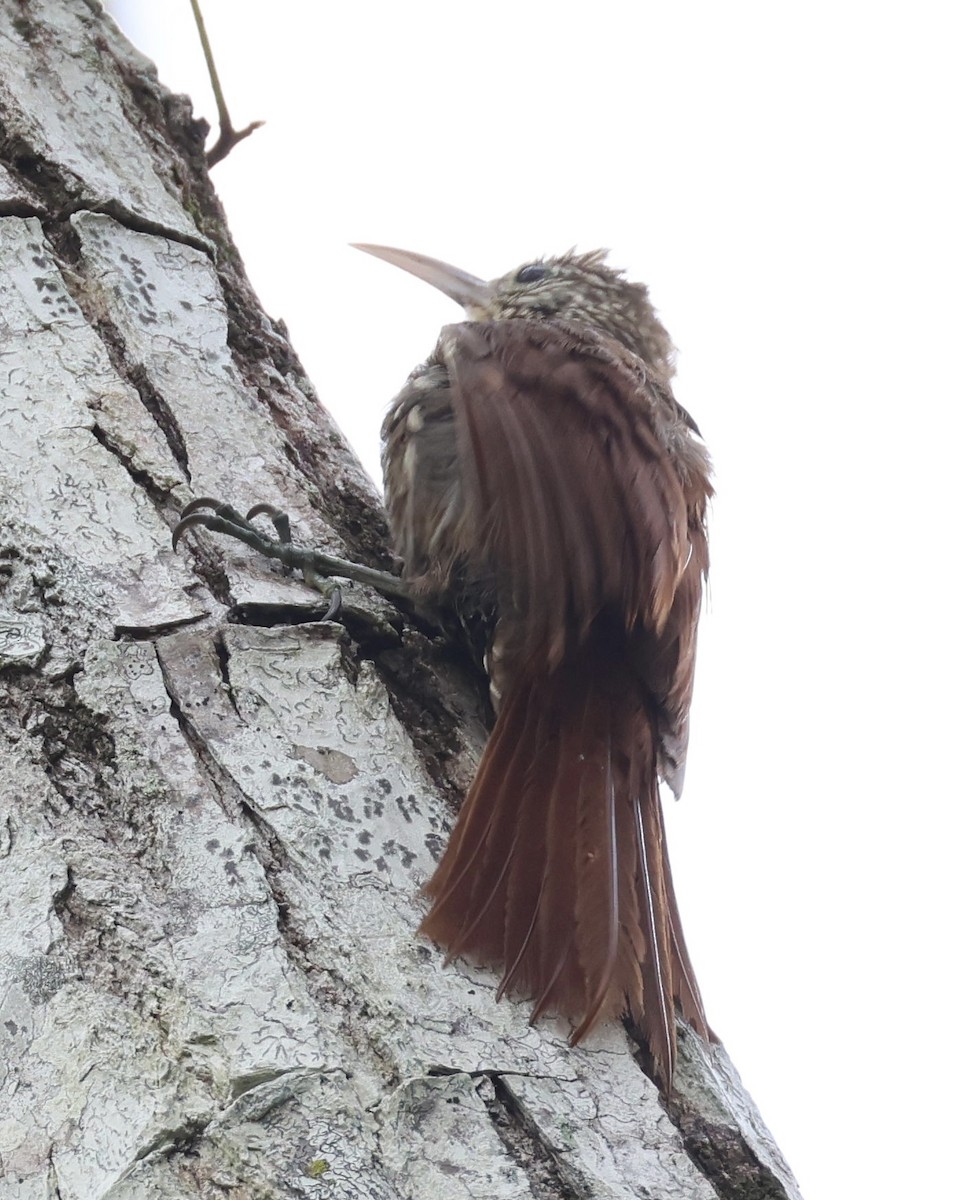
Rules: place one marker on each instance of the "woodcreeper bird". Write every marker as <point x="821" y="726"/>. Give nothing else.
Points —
<point x="538" y="470"/>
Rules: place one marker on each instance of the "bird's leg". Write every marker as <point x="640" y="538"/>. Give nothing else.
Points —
<point x="316" y="568"/>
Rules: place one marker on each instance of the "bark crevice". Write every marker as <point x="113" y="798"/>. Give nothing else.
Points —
<point x="524" y="1143"/>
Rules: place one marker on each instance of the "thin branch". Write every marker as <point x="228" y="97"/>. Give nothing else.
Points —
<point x="228" y="136"/>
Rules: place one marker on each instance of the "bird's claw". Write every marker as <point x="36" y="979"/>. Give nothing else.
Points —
<point x="335" y="605"/>
<point x="317" y="569"/>
<point x="218" y="517"/>
<point x="278" y="518"/>
<point x="224" y="518"/>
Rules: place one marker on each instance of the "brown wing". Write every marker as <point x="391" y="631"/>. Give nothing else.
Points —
<point x="584" y="494"/>
<point x="421" y="484"/>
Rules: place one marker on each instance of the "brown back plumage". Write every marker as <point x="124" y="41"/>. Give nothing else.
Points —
<point x="539" y="459"/>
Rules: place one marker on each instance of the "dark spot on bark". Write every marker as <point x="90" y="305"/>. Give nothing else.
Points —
<point x="409" y="808"/>
<point x="407" y="857"/>
<point x="340" y="809"/>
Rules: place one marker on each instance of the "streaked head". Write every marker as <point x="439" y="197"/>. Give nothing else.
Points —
<point x="574" y="287"/>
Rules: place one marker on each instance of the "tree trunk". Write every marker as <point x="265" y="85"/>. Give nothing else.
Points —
<point x="215" y="809"/>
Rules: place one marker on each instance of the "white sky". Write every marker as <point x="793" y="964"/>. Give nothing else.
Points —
<point x="794" y="182"/>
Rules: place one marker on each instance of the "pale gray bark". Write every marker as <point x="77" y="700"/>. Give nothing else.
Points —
<point x="216" y="812"/>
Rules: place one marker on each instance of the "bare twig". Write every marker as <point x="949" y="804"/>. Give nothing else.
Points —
<point x="228" y="136"/>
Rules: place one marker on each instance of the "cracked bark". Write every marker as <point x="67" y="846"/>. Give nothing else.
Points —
<point x="217" y="812"/>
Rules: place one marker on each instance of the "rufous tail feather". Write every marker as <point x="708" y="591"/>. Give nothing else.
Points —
<point x="557" y="871"/>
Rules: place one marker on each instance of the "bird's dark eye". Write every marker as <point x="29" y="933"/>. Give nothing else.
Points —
<point x="532" y="273"/>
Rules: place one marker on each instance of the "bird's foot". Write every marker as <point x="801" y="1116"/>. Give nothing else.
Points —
<point x="319" y="571"/>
